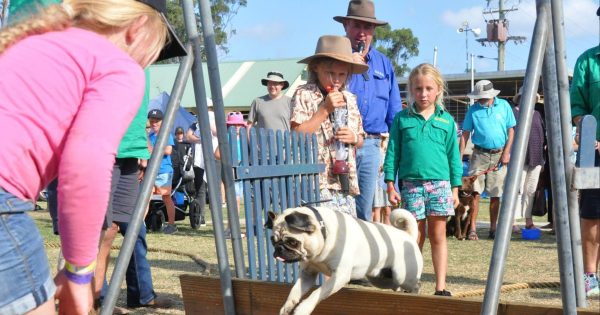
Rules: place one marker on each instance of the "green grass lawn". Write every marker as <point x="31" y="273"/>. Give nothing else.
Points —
<point x="527" y="261"/>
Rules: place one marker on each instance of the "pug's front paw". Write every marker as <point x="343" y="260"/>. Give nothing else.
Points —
<point x="287" y="309"/>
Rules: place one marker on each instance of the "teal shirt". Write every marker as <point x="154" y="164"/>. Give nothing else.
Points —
<point x="422" y="149"/>
<point x="585" y="86"/>
<point x="490" y="124"/>
<point x="134" y="143"/>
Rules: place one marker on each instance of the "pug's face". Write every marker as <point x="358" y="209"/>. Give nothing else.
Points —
<point x="294" y="236"/>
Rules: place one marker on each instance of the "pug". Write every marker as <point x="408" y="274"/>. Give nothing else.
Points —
<point x="344" y="248"/>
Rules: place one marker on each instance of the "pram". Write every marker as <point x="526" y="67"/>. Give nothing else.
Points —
<point x="183" y="192"/>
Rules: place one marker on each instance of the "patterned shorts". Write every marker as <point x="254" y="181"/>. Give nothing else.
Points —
<point x="425" y="198"/>
<point x="338" y="201"/>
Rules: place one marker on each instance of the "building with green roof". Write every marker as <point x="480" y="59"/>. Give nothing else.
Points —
<point x="240" y="81"/>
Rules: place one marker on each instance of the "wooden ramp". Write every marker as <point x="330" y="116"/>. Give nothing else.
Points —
<point x="202" y="295"/>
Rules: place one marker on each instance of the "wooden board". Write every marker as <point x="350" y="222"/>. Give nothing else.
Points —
<point x="202" y="295"/>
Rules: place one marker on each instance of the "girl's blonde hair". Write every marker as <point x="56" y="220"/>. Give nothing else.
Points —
<point x="426" y="69"/>
<point x="313" y="76"/>
<point x="100" y="16"/>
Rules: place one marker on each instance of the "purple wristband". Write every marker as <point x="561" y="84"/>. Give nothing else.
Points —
<point x="79" y="279"/>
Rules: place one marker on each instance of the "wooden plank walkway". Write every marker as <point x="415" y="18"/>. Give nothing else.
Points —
<point x="202" y="295"/>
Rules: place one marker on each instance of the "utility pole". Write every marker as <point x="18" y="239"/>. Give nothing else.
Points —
<point x="501" y="44"/>
<point x="497" y="32"/>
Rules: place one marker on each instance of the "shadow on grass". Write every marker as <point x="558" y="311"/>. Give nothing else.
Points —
<point x="179" y="265"/>
<point x="429" y="277"/>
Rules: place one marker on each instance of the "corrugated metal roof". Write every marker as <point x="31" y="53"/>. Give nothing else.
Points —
<point x="240" y="80"/>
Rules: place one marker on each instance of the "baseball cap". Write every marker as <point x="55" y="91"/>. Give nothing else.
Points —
<point x="156" y="114"/>
<point x="174" y="48"/>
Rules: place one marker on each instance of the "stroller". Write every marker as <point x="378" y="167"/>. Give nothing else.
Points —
<point x="183" y="192"/>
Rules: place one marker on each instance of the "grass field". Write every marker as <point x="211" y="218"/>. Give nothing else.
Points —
<point x="527" y="261"/>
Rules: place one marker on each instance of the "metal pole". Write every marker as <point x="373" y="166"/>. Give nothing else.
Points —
<point x="472" y="77"/>
<point x="515" y="167"/>
<point x="226" y="165"/>
<point x="212" y="175"/>
<point x="467" y="29"/>
<point x="554" y="134"/>
<point x="143" y="198"/>
<point x="435" y="56"/>
<point x="567" y="142"/>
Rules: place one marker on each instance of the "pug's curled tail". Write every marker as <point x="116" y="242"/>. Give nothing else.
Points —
<point x="404" y="220"/>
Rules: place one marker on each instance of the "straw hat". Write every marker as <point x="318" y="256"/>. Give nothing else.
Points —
<point x="362" y="10"/>
<point x="275" y="76"/>
<point x="483" y="89"/>
<point x="338" y="48"/>
<point x="517" y="97"/>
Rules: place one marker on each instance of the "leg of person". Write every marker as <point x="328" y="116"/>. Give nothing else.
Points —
<point x="200" y="194"/>
<point x="376" y="216"/>
<point x="494" y="208"/>
<point x="436" y="231"/>
<point x="494" y="184"/>
<point x="531" y="184"/>
<point x="519" y="202"/>
<point x="26" y="282"/>
<point x="438" y="206"/>
<point x="102" y="261"/>
<point x="590" y="236"/>
<point x="52" y="192"/>
<point x="386" y="212"/>
<point x="367" y="168"/>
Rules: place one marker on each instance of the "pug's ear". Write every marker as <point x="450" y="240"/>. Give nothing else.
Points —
<point x="270" y="219"/>
<point x="300" y="221"/>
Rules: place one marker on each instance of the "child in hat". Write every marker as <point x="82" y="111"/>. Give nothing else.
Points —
<point x="323" y="106"/>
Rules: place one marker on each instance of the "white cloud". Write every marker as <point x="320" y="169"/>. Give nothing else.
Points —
<point x="263" y="32"/>
<point x="579" y="16"/>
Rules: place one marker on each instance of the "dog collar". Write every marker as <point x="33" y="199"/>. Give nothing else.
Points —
<point x="319" y="219"/>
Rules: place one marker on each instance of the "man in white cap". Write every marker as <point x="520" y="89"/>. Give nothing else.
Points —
<point x="492" y="122"/>
<point x="272" y="111"/>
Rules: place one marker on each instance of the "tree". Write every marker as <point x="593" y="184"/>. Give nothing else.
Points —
<point x="222" y="12"/>
<point x="398" y="45"/>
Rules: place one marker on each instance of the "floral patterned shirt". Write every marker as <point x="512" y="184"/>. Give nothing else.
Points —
<point x="305" y="104"/>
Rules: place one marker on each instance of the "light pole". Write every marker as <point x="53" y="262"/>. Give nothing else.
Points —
<point x="466" y="29"/>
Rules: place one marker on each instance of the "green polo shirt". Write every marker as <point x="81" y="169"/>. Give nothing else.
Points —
<point x="585" y="87"/>
<point x="422" y="149"/>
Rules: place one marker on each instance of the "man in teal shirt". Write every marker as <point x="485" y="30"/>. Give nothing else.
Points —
<point x="492" y="122"/>
<point x="585" y="100"/>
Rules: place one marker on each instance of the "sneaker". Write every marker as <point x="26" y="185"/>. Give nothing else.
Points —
<point x="443" y="293"/>
<point x="202" y="221"/>
<point x="591" y="284"/>
<point x="169" y="229"/>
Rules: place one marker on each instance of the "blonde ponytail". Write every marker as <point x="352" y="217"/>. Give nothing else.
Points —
<point x="52" y="18"/>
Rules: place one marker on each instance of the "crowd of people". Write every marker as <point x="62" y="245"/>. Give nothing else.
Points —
<point x="79" y="62"/>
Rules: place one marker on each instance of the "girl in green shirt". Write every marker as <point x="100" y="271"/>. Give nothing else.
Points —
<point x="423" y="153"/>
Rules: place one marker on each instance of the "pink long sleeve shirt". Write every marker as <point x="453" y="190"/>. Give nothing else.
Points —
<point x="66" y="99"/>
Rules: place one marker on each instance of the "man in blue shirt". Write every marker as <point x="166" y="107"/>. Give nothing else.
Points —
<point x="377" y="96"/>
<point x="492" y="122"/>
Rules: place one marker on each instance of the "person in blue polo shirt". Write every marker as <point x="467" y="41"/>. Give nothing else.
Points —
<point x="377" y="97"/>
<point x="491" y="121"/>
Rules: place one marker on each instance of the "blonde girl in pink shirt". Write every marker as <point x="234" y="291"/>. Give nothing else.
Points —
<point x="71" y="82"/>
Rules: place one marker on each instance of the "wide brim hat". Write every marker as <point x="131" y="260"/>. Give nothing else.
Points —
<point x="275" y="76"/>
<point x="173" y="48"/>
<point x="517" y="97"/>
<point x="338" y="48"/>
<point x="483" y="89"/>
<point x="362" y="10"/>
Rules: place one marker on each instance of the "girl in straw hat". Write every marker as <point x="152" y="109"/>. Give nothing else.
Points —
<point x="324" y="107"/>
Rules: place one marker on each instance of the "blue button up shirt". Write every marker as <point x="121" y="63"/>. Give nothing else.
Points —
<point x="490" y="125"/>
<point x="378" y="98"/>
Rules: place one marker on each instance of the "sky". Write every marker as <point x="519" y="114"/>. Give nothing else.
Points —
<point x="284" y="29"/>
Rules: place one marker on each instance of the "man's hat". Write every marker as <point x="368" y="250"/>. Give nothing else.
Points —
<point x="338" y="48"/>
<point x="483" y="89"/>
<point x="275" y="77"/>
<point x="362" y="10"/>
<point x="173" y="48"/>
<point x="155" y="114"/>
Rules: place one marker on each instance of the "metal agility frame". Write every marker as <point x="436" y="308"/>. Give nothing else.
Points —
<point x="546" y="57"/>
